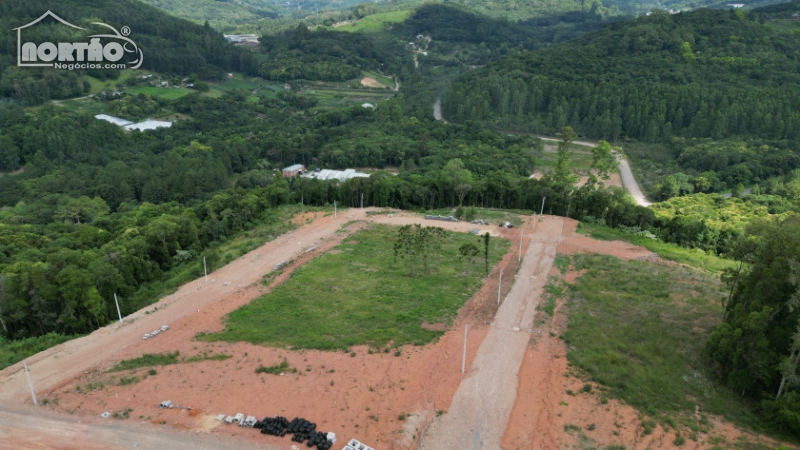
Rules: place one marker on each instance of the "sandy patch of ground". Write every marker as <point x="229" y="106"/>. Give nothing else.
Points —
<point x="371" y="82"/>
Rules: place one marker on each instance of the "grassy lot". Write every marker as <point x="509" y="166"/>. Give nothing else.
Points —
<point x="490" y="215"/>
<point x="169" y="93"/>
<point x="692" y="257"/>
<point x="383" y="79"/>
<point x="102" y="85"/>
<point x="581" y="157"/>
<point x="12" y="352"/>
<point x="360" y="294"/>
<point x="639" y="328"/>
<point x="375" y="22"/>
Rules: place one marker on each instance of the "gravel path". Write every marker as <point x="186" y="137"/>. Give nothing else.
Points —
<point x="628" y="180"/>
<point x="482" y="404"/>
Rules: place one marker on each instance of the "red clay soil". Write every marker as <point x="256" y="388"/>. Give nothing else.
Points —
<point x="362" y="396"/>
<point x="546" y="417"/>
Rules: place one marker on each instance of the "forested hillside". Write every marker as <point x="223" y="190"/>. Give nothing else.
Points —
<point x="327" y="55"/>
<point x="169" y="45"/>
<point x="682" y="80"/>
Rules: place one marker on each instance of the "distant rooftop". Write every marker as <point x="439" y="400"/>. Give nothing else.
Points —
<point x="115" y="120"/>
<point x="294" y="167"/>
<point x="341" y="175"/>
<point x="148" y="125"/>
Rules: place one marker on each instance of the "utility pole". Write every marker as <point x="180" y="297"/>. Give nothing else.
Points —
<point x="499" y="286"/>
<point x="362" y="200"/>
<point x="334" y="209"/>
<point x="463" y="356"/>
<point x="117" y="303"/>
<point x="33" y="394"/>
<point x="205" y="268"/>
<point x="542" y="211"/>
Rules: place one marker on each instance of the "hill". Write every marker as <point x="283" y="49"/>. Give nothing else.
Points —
<point x="681" y="80"/>
<point x="169" y="45"/>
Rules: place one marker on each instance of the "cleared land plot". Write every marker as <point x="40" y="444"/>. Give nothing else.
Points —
<point x="581" y="157"/>
<point x="169" y="92"/>
<point x="375" y="22"/>
<point x="639" y="328"/>
<point x="360" y="294"/>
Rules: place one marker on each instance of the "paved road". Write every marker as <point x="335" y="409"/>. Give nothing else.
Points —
<point x="628" y="180"/>
<point x="481" y="406"/>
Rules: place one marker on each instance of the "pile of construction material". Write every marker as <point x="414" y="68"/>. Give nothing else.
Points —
<point x="155" y="332"/>
<point x="302" y="429"/>
<point x="445" y="218"/>
<point x="355" y="445"/>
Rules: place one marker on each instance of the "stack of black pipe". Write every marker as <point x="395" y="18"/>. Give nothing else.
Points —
<point x="302" y="430"/>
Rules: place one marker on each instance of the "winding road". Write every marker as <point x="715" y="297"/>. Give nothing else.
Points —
<point x="628" y="180"/>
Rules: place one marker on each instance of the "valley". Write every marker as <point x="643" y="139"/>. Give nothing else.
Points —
<point x="556" y="225"/>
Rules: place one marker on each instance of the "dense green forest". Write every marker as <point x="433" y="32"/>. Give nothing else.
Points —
<point x="717" y="90"/>
<point x="169" y="45"/>
<point x="327" y="55"/>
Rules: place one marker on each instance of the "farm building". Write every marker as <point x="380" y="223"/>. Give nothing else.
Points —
<point x="341" y="175"/>
<point x="148" y="125"/>
<point x="115" y="120"/>
<point x="294" y="170"/>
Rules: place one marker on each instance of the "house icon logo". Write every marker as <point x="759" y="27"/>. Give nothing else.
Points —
<point x="103" y="51"/>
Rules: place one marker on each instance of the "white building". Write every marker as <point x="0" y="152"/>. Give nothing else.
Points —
<point x="115" y="120"/>
<point x="341" y="175"/>
<point x="148" y="125"/>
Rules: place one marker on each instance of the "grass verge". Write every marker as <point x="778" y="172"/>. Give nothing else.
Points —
<point x="12" y="352"/>
<point x="359" y="293"/>
<point x="166" y="359"/>
<point x="691" y="257"/>
<point x="639" y="329"/>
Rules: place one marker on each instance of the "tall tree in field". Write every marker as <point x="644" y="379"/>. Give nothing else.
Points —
<point x="404" y="247"/>
<point x="467" y="252"/>
<point x="486" y="251"/>
<point x="563" y="174"/>
<point x="603" y="161"/>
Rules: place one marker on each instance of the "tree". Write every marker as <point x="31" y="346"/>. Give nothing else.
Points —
<point x="486" y="251"/>
<point x="467" y="252"/>
<point x="750" y="346"/>
<point x="603" y="160"/>
<point x="563" y="174"/>
<point x="460" y="178"/>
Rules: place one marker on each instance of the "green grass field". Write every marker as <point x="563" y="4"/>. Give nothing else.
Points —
<point x="169" y="93"/>
<point x="14" y="351"/>
<point x="102" y="85"/>
<point x="358" y="294"/>
<point x="581" y="157"/>
<point x="375" y="22"/>
<point x="691" y="257"/>
<point x="639" y="328"/>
